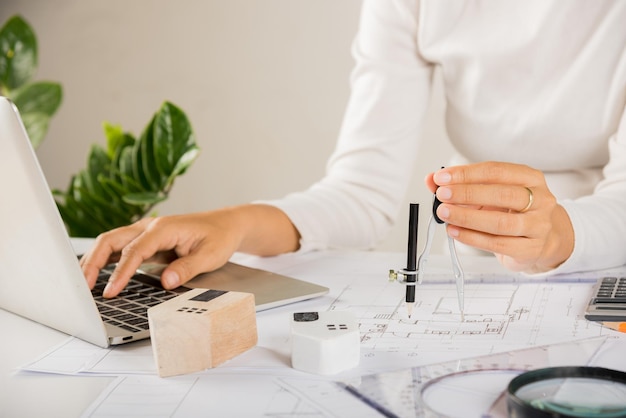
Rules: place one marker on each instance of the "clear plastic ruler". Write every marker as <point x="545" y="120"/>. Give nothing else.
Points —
<point x="473" y="387"/>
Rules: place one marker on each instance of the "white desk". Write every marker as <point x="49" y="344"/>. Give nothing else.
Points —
<point x="27" y="394"/>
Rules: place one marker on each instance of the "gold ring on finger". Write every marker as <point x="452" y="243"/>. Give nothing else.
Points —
<point x="531" y="199"/>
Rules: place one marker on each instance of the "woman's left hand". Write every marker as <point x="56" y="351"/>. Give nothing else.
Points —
<point x="506" y="209"/>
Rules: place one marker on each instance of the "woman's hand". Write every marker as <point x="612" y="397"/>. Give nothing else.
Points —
<point x="506" y="209"/>
<point x="193" y="244"/>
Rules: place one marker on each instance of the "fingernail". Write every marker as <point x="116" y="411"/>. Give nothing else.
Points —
<point x="443" y="212"/>
<point x="171" y="280"/>
<point x="442" y="177"/>
<point x="107" y="289"/>
<point x="453" y="232"/>
<point x="444" y="193"/>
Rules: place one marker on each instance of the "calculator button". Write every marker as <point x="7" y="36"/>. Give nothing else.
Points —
<point x="621" y="299"/>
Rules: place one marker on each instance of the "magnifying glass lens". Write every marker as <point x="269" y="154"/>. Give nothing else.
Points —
<point x="576" y="397"/>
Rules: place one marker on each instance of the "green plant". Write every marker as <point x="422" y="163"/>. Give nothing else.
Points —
<point x="123" y="182"/>
<point x="36" y="101"/>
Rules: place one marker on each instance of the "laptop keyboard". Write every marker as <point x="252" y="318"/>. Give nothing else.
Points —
<point x="129" y="310"/>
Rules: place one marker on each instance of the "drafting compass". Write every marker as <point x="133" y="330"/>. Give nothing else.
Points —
<point x="415" y="273"/>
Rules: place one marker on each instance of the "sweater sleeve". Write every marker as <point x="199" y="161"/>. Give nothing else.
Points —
<point x="367" y="176"/>
<point x="599" y="220"/>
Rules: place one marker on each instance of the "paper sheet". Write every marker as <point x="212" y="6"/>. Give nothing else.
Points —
<point x="230" y="395"/>
<point x="503" y="312"/>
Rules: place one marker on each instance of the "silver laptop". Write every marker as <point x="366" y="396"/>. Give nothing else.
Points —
<point x="40" y="277"/>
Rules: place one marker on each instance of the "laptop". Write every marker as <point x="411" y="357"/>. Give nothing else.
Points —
<point x="40" y="276"/>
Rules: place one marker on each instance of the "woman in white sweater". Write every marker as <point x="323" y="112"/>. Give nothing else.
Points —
<point x="535" y="107"/>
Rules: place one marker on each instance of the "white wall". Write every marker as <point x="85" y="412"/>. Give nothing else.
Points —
<point x="264" y="83"/>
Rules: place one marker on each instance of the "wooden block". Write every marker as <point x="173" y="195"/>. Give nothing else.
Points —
<point x="201" y="329"/>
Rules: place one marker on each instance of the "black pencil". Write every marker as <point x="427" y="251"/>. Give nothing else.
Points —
<point x="411" y="257"/>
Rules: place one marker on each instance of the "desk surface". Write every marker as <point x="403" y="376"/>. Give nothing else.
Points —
<point x="40" y="394"/>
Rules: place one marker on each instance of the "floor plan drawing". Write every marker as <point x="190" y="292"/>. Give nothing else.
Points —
<point x="511" y="315"/>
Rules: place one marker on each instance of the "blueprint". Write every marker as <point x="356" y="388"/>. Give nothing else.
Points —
<point x="498" y="317"/>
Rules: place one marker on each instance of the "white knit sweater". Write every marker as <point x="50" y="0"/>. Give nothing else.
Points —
<point x="536" y="82"/>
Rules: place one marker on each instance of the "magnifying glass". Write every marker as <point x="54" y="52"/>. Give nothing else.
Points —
<point x="568" y="392"/>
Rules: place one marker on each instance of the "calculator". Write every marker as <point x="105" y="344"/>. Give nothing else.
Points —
<point x="609" y="300"/>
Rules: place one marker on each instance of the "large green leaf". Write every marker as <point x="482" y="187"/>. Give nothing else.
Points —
<point x="139" y="171"/>
<point x="115" y="138"/>
<point x="98" y="161"/>
<point x="37" y="102"/>
<point x="150" y="169"/>
<point x="172" y="136"/>
<point x="183" y="164"/>
<point x="38" y="97"/>
<point x="117" y="149"/>
<point x="18" y="53"/>
<point x="125" y="168"/>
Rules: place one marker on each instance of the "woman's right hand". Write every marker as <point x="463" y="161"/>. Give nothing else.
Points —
<point x="191" y="244"/>
<point x="506" y="209"/>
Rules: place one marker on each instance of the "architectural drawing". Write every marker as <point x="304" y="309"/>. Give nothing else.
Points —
<point x="506" y="316"/>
